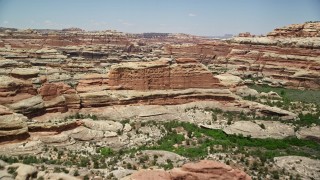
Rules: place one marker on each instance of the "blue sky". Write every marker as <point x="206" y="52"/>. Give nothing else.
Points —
<point x="199" y="17"/>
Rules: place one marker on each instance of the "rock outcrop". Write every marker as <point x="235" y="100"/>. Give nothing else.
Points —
<point x="289" y="56"/>
<point x="12" y="125"/>
<point x="13" y="90"/>
<point x="66" y="95"/>
<point x="24" y="73"/>
<point x="59" y="97"/>
<point x="20" y="171"/>
<point x="312" y="133"/>
<point x="305" y="167"/>
<point x="261" y="129"/>
<point x="162" y="74"/>
<point x="164" y="155"/>
<point x="157" y="97"/>
<point x="24" y="171"/>
<point x="204" y="170"/>
<point x="309" y="29"/>
<point x="29" y="107"/>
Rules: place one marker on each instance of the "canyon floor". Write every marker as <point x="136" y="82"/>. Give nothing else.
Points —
<point x="111" y="105"/>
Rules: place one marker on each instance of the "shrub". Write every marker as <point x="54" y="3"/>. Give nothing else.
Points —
<point x="76" y="173"/>
<point x="262" y="126"/>
<point x="106" y="151"/>
<point x="12" y="170"/>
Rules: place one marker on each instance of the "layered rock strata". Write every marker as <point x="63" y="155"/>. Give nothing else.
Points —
<point x="204" y="170"/>
<point x="288" y="56"/>
<point x="12" y="125"/>
<point x="162" y="74"/>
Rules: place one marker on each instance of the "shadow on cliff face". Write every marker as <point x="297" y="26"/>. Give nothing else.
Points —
<point x="14" y="138"/>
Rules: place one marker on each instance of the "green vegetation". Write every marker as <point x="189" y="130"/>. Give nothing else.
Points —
<point x="268" y="148"/>
<point x="308" y="119"/>
<point x="294" y="95"/>
<point x="82" y="116"/>
<point x="12" y="170"/>
<point x="188" y="140"/>
<point x="307" y="96"/>
<point x="106" y="151"/>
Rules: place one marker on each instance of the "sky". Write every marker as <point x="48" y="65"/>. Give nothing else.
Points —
<point x="198" y="17"/>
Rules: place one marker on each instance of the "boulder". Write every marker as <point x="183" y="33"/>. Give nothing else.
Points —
<point x="121" y="173"/>
<point x="127" y="127"/>
<point x="245" y="91"/>
<point x="271" y="95"/>
<point x="229" y="79"/>
<point x="24" y="171"/>
<point x="260" y="129"/>
<point x="84" y="134"/>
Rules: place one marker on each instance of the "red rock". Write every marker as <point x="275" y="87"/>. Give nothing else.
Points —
<point x="13" y="90"/>
<point x="59" y="97"/>
<point x="159" y="97"/>
<point x="309" y="29"/>
<point x="207" y="170"/>
<point x="281" y="57"/>
<point x="51" y="90"/>
<point x="186" y="60"/>
<point x="93" y="82"/>
<point x="245" y="34"/>
<point x="151" y="175"/>
<point x="204" y="170"/>
<point x="161" y="75"/>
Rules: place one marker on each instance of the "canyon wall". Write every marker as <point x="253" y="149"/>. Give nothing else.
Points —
<point x="162" y="74"/>
<point x="288" y="56"/>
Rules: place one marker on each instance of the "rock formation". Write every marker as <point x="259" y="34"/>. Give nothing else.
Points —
<point x="288" y="56"/>
<point x="309" y="29"/>
<point x="204" y="169"/>
<point x="12" y="125"/>
<point x="162" y="74"/>
<point x="76" y="97"/>
<point x="260" y="129"/>
<point x="306" y="168"/>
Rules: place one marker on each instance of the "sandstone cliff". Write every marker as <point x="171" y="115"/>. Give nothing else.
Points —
<point x="162" y="74"/>
<point x="288" y="56"/>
